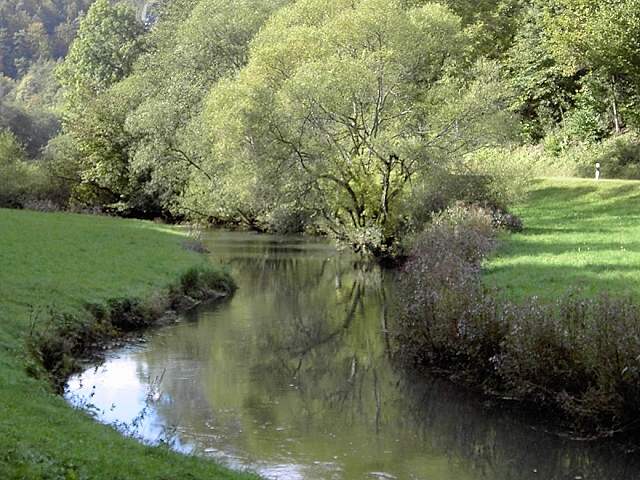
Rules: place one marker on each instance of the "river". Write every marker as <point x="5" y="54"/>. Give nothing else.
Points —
<point x="291" y="378"/>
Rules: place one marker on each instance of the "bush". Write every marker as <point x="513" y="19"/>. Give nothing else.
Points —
<point x="491" y="190"/>
<point x="287" y="219"/>
<point x="579" y="358"/>
<point x="27" y="183"/>
<point x="15" y="174"/>
<point x="200" y="282"/>
<point x="508" y="174"/>
<point x="440" y="284"/>
<point x="619" y="157"/>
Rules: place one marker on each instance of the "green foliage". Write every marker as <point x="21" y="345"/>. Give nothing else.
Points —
<point x="561" y="157"/>
<point x="619" y="157"/>
<point x="507" y="177"/>
<point x="13" y="170"/>
<point x="600" y="39"/>
<point x="38" y="88"/>
<point x="543" y="91"/>
<point x="134" y="128"/>
<point x="31" y="30"/>
<point x="108" y="43"/>
<point x="19" y="178"/>
<point x="492" y="24"/>
<point x="28" y="183"/>
<point x="339" y="105"/>
<point x="195" y="44"/>
<point x="32" y="127"/>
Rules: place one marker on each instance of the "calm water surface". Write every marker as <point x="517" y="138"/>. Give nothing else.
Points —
<point x="291" y="378"/>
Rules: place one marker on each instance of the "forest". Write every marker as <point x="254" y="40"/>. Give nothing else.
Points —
<point x="354" y="120"/>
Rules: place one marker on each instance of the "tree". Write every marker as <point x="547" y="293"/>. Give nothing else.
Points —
<point x="600" y="38"/>
<point x="491" y="24"/>
<point x="348" y="105"/>
<point x="35" y="30"/>
<point x="195" y="44"/>
<point x="544" y="90"/>
<point x="109" y="41"/>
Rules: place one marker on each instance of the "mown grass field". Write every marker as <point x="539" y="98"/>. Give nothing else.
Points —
<point x="580" y="235"/>
<point x="61" y="261"/>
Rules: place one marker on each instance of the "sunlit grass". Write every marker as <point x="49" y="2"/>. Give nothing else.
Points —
<point x="63" y="261"/>
<point x="579" y="235"/>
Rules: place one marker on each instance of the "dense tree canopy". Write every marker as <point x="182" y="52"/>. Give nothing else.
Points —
<point x="350" y="104"/>
<point x="31" y="30"/>
<point x="356" y="118"/>
<point x="109" y="42"/>
<point x="600" y="39"/>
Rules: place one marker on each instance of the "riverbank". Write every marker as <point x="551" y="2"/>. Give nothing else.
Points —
<point x="551" y="322"/>
<point x="60" y="263"/>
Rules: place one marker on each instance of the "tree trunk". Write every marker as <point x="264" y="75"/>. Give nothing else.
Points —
<point x="614" y="105"/>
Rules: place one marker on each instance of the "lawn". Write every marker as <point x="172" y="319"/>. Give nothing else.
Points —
<point x="579" y="235"/>
<point x="60" y="261"/>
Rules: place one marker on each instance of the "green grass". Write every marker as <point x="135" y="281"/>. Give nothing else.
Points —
<point x="579" y="234"/>
<point x="63" y="261"/>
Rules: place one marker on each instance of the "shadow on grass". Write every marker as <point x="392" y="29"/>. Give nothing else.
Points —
<point x="561" y="230"/>
<point x="550" y="282"/>
<point x="561" y="193"/>
<point x="560" y="199"/>
<point x="521" y="247"/>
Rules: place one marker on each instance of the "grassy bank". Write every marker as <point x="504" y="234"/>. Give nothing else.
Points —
<point x="62" y="262"/>
<point x="574" y="359"/>
<point x="579" y="234"/>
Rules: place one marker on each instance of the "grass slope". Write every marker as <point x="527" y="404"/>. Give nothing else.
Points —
<point x="64" y="260"/>
<point x="579" y="234"/>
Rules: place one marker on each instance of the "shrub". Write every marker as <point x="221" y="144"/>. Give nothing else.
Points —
<point x="508" y="174"/>
<point x="287" y="219"/>
<point x="27" y="183"/>
<point x="491" y="191"/>
<point x="619" y="157"/>
<point x="15" y="174"/>
<point x="439" y="284"/>
<point x="200" y="282"/>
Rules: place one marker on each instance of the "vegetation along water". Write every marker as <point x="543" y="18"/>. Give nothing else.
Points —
<point x="293" y="377"/>
<point x="474" y="163"/>
<point x="60" y="262"/>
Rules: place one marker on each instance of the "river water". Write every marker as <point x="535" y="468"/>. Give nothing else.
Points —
<point x="291" y="378"/>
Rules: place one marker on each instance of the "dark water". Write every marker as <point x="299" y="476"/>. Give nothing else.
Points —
<point x="291" y="378"/>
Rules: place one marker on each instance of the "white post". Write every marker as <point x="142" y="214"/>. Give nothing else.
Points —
<point x="598" y="171"/>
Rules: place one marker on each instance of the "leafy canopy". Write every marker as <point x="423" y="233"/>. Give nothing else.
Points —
<point x="346" y="105"/>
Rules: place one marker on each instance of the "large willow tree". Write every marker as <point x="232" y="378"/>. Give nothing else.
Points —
<point x="342" y="107"/>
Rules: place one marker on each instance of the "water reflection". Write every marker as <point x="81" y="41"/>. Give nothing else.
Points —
<point x="291" y="378"/>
